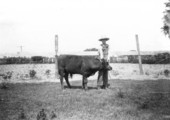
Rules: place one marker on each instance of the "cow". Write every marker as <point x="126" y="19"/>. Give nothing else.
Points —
<point x="83" y="65"/>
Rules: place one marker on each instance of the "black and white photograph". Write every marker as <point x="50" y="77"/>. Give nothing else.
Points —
<point x="84" y="59"/>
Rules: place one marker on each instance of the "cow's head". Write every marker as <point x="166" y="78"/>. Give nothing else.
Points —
<point x="101" y="64"/>
<point x="105" y="65"/>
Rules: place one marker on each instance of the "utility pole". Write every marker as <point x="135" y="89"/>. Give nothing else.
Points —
<point x="20" y="51"/>
<point x="56" y="56"/>
<point x="139" y="56"/>
<point x="21" y="48"/>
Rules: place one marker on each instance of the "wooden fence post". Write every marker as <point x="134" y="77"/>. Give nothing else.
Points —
<point x="56" y="56"/>
<point x="139" y="56"/>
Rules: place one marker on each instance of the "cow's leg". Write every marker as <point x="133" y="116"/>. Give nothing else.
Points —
<point x="61" y="79"/>
<point x="99" y="79"/>
<point x="85" y="81"/>
<point x="107" y="84"/>
<point x="67" y="81"/>
<point x="105" y="79"/>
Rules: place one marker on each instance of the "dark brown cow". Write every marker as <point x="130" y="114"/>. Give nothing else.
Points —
<point x="83" y="65"/>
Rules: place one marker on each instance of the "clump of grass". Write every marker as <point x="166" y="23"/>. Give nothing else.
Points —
<point x="32" y="74"/>
<point x="6" y="77"/>
<point x="144" y="98"/>
<point x="22" y="116"/>
<point x="166" y="72"/>
<point x="48" y="73"/>
<point x="26" y="76"/>
<point x="115" y="73"/>
<point x="146" y="73"/>
<point x="53" y="115"/>
<point x="22" y="76"/>
<point x="156" y="75"/>
<point x="42" y="115"/>
<point x="139" y="97"/>
<point x="149" y="101"/>
<point x="120" y="94"/>
<point x="4" y="86"/>
<point x="161" y="73"/>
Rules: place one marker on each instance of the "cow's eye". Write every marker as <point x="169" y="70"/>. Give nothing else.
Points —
<point x="97" y="58"/>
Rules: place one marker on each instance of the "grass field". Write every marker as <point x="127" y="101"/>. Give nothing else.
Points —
<point x="130" y="96"/>
<point x="124" y="100"/>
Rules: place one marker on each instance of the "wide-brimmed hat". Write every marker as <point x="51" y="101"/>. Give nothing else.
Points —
<point x="104" y="39"/>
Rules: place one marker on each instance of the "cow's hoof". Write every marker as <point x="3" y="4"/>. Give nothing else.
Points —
<point x="99" y="87"/>
<point x="86" y="88"/>
<point x="103" y="87"/>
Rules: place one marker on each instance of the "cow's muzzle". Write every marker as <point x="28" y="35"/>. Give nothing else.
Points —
<point x="108" y="67"/>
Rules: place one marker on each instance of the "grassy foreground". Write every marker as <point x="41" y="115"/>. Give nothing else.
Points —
<point x="124" y="100"/>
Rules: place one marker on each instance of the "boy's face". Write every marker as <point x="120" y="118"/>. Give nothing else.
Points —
<point x="104" y="42"/>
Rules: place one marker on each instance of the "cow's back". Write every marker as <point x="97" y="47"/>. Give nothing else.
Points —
<point x="78" y="64"/>
<point x="70" y="63"/>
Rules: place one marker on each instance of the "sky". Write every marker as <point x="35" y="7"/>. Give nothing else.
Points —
<point x="79" y="25"/>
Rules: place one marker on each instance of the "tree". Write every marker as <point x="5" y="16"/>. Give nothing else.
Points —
<point x="91" y="49"/>
<point x="37" y="59"/>
<point x="166" y="19"/>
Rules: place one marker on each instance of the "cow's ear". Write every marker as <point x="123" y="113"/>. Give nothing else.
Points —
<point x="97" y="58"/>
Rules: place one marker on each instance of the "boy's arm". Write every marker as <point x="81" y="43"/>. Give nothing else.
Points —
<point x="100" y="53"/>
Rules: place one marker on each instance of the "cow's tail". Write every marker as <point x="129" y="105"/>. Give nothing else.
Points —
<point x="71" y="75"/>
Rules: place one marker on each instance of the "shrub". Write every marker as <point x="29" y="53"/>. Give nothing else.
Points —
<point x="146" y="73"/>
<point x="48" y="73"/>
<point x="7" y="76"/>
<point x="37" y="59"/>
<point x="53" y="115"/>
<point x="42" y="115"/>
<point x="166" y="72"/>
<point x="23" y="76"/>
<point x="32" y="73"/>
